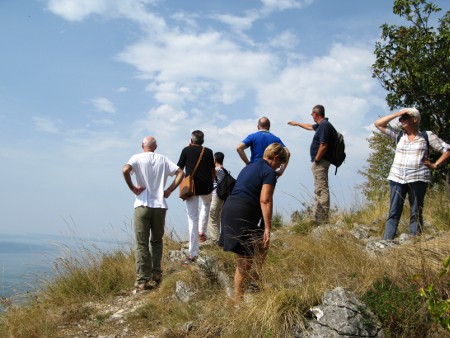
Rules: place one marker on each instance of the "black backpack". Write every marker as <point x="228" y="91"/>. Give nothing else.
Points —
<point x="225" y="187"/>
<point x="338" y="155"/>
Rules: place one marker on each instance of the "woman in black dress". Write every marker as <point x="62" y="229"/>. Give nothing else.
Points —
<point x="247" y="215"/>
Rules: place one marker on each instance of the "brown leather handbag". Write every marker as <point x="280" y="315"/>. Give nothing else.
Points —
<point x="187" y="185"/>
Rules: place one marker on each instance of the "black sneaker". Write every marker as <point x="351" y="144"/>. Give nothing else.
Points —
<point x="146" y="286"/>
<point x="157" y="278"/>
<point x="253" y="287"/>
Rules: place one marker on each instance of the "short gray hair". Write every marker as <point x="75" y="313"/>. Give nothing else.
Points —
<point x="414" y="112"/>
<point x="197" y="137"/>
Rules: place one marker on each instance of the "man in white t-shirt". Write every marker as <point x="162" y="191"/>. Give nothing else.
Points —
<point x="151" y="172"/>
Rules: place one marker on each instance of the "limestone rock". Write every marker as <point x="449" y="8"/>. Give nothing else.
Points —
<point x="342" y="315"/>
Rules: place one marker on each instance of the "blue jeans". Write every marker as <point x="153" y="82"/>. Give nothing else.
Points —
<point x="416" y="195"/>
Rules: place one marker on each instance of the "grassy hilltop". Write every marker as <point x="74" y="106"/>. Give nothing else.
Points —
<point x="92" y="296"/>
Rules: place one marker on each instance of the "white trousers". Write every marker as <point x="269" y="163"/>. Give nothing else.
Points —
<point x="197" y="220"/>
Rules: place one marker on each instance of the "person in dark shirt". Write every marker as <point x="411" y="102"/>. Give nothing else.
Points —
<point x="203" y="181"/>
<point x="216" y="203"/>
<point x="320" y="150"/>
<point x="247" y="216"/>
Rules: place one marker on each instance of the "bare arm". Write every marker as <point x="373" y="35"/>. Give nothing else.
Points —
<point x="241" y="151"/>
<point x="266" y="201"/>
<point x="176" y="182"/>
<point x="126" y="171"/>
<point x="306" y="126"/>
<point x="440" y="162"/>
<point x="321" y="152"/>
<point x="382" y="122"/>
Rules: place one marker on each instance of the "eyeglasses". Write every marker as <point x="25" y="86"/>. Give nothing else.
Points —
<point x="404" y="117"/>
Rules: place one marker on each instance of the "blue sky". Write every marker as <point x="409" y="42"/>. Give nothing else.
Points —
<point x="83" y="81"/>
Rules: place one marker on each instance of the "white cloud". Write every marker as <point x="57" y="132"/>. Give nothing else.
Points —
<point x="122" y="89"/>
<point x="285" y="40"/>
<point x="46" y="125"/>
<point x="77" y="10"/>
<point x="189" y="19"/>
<point x="177" y="56"/>
<point x="135" y="10"/>
<point x="238" y="23"/>
<point x="282" y="5"/>
<point x="246" y="21"/>
<point x="198" y="63"/>
<point x="343" y="72"/>
<point x="102" y="104"/>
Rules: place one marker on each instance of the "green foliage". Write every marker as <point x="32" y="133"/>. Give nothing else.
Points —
<point x="301" y="222"/>
<point x="277" y="220"/>
<point x="413" y="63"/>
<point x="379" y="163"/>
<point x="397" y="308"/>
<point x="438" y="306"/>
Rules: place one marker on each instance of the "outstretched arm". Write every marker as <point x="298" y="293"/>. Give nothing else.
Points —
<point x="306" y="126"/>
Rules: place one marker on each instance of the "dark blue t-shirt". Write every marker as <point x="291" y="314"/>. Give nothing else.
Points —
<point x="259" y="141"/>
<point x="251" y="179"/>
<point x="325" y="133"/>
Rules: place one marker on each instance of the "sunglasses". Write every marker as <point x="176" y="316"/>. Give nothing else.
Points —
<point x="404" y="117"/>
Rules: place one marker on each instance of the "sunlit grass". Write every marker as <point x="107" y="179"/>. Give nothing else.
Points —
<point x="299" y="268"/>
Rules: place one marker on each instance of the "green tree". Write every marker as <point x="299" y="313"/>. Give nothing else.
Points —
<point x="379" y="163"/>
<point x="413" y="63"/>
<point x="413" y="66"/>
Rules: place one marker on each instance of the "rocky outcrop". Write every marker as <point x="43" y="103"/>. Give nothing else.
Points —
<point x="342" y="315"/>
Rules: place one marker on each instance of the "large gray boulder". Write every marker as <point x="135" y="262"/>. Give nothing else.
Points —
<point x="342" y="315"/>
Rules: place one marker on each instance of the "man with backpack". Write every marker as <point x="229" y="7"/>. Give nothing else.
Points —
<point x="217" y="201"/>
<point x="321" y="152"/>
<point x="410" y="171"/>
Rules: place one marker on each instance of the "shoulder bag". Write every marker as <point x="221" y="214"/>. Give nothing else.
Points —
<point x="187" y="185"/>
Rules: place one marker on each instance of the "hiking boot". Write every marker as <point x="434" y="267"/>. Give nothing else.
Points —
<point x="157" y="278"/>
<point x="146" y="285"/>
